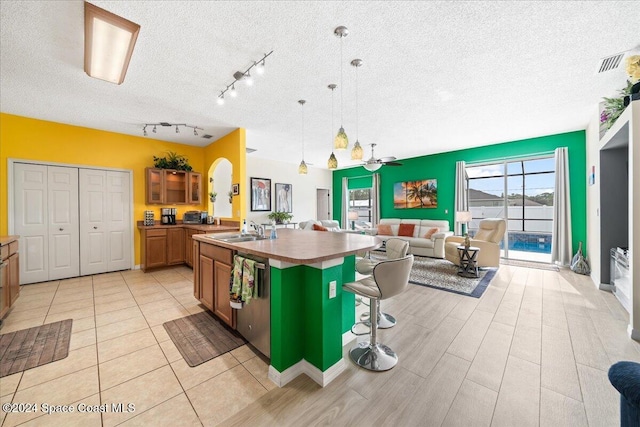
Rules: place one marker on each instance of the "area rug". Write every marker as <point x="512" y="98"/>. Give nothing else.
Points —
<point x="29" y="348"/>
<point x="202" y="337"/>
<point x="442" y="274"/>
<point x="529" y="264"/>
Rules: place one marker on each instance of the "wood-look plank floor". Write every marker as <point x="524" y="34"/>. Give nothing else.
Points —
<point x="534" y="350"/>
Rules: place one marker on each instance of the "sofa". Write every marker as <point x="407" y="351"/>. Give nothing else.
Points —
<point x="488" y="237"/>
<point x="329" y="224"/>
<point x="425" y="236"/>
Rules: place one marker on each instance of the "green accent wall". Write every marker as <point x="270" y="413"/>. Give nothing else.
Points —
<point x="442" y="166"/>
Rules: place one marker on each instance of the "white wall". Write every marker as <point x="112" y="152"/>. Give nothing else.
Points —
<point x="304" y="187"/>
<point x="593" y="197"/>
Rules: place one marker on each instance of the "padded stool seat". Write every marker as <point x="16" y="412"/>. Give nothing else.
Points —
<point x="625" y="377"/>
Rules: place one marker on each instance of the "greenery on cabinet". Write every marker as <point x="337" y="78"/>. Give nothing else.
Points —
<point x="172" y="161"/>
<point x="280" y="217"/>
<point x="212" y="196"/>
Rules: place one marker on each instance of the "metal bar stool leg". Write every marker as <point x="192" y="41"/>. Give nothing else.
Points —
<point x="371" y="355"/>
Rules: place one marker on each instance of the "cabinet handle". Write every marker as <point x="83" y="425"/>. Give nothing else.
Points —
<point x="61" y="229"/>
<point x="95" y="228"/>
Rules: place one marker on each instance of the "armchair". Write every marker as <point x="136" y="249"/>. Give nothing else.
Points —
<point x="490" y="233"/>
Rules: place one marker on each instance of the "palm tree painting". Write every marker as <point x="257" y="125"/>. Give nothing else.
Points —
<point x="415" y="194"/>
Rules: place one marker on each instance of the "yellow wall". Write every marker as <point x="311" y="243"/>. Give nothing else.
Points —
<point x="30" y="139"/>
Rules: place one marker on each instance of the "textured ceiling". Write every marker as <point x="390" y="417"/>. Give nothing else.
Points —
<point x="437" y="76"/>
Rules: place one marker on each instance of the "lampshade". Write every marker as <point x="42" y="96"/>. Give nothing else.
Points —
<point x="372" y="167"/>
<point x="463" y="216"/>
<point x="332" y="163"/>
<point x="357" y="152"/>
<point x="341" y="140"/>
<point x="302" y="169"/>
<point x="353" y="215"/>
<point x="108" y="44"/>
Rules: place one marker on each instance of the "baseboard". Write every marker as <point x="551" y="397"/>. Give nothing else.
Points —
<point x="634" y="334"/>
<point x="303" y="367"/>
<point x="605" y="287"/>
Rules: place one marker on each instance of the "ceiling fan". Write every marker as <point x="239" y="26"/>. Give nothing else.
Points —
<point x="373" y="164"/>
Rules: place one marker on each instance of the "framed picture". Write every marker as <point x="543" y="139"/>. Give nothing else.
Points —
<point x="260" y="194"/>
<point x="235" y="188"/>
<point x="415" y="194"/>
<point x="284" y="198"/>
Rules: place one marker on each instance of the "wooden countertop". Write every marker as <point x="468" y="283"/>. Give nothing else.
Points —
<point x="209" y="228"/>
<point x="302" y="246"/>
<point x="5" y="240"/>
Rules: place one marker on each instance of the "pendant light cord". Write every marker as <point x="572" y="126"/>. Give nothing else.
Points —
<point x="332" y="102"/>
<point x="303" y="132"/>
<point x="357" y="104"/>
<point x="341" y="99"/>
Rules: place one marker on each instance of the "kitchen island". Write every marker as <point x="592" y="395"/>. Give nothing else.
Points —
<point x="309" y="312"/>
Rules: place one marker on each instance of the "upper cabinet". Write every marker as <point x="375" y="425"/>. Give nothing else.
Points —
<point x="173" y="187"/>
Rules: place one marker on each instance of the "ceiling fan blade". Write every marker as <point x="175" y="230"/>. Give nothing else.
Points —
<point x="386" y="159"/>
<point x="392" y="163"/>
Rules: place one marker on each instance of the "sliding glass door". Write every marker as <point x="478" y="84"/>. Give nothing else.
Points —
<point x="520" y="191"/>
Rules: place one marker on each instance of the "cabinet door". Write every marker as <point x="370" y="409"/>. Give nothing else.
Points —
<point x="206" y="281"/>
<point x="155" y="186"/>
<point x="188" y="250"/>
<point x="222" y="309"/>
<point x="14" y="279"/>
<point x="196" y="271"/>
<point x="175" y="187"/>
<point x="155" y="251"/>
<point x="175" y="246"/>
<point x="195" y="188"/>
<point x="5" y="297"/>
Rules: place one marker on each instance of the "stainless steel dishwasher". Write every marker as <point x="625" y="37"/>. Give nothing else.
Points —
<point x="253" y="321"/>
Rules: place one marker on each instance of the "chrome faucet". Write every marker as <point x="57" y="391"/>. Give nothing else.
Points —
<point x="258" y="228"/>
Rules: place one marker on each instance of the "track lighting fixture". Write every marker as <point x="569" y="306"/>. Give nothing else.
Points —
<point x="165" y="124"/>
<point x="243" y="76"/>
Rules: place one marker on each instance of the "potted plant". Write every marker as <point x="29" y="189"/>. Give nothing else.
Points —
<point x="280" y="217"/>
<point x="212" y="196"/>
<point x="172" y="161"/>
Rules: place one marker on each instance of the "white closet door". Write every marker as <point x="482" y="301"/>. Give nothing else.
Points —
<point x="118" y="217"/>
<point x="64" y="227"/>
<point x="93" y="224"/>
<point x="30" y="219"/>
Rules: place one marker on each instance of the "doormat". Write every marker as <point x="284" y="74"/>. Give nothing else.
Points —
<point x="442" y="274"/>
<point x="202" y="337"/>
<point x="29" y="348"/>
<point x="529" y="264"/>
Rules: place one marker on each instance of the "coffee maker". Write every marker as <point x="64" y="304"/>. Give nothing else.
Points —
<point x="168" y="216"/>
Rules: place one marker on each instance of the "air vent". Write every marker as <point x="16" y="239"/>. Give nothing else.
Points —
<point x="250" y="150"/>
<point x="610" y="62"/>
<point x="207" y="136"/>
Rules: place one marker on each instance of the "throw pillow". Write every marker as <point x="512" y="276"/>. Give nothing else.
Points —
<point x="317" y="227"/>
<point x="309" y="225"/>
<point x="406" y="230"/>
<point x="385" y="230"/>
<point x="431" y="232"/>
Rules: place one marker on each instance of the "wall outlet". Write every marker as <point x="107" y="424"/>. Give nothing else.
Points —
<point x="332" y="289"/>
<point x="446" y="211"/>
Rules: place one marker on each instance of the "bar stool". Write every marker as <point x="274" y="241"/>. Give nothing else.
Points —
<point x="396" y="248"/>
<point x="389" y="278"/>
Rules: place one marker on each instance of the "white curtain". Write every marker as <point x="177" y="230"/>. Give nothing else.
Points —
<point x="461" y="197"/>
<point x="561" y="249"/>
<point x="375" y="199"/>
<point x="344" y="220"/>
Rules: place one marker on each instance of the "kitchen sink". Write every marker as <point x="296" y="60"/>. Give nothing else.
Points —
<point x="236" y="238"/>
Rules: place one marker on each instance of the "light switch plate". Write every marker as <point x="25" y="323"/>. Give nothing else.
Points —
<point x="332" y="289"/>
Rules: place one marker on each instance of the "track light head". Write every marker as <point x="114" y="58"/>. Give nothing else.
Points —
<point x="177" y="129"/>
<point x="220" y="99"/>
<point x="144" y="131"/>
<point x="260" y="67"/>
<point x="195" y="132"/>
<point x="233" y="92"/>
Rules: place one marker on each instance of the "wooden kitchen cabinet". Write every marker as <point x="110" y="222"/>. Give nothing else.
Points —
<point x="173" y="187"/>
<point x="212" y="275"/>
<point x="188" y="246"/>
<point x="154" y="248"/>
<point x="175" y="246"/>
<point x="10" y="271"/>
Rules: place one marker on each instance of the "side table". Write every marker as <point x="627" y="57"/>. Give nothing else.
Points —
<point x="468" y="261"/>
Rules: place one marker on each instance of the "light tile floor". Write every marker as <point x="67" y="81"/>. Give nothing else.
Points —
<point x="534" y="350"/>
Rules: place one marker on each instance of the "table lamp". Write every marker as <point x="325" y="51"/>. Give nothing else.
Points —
<point x="463" y="217"/>
<point x="353" y="216"/>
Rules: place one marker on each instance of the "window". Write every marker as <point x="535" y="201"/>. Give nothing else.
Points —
<point x="521" y="191"/>
<point x="361" y="202"/>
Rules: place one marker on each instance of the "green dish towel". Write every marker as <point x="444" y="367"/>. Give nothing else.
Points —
<point x="236" y="287"/>
<point x="249" y="280"/>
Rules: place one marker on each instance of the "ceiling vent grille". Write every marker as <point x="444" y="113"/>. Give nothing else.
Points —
<point x="610" y="62"/>
<point x="207" y="136"/>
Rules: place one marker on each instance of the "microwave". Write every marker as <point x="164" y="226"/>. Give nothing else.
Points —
<point x="194" y="217"/>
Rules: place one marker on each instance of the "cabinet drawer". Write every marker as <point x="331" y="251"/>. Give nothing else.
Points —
<point x="217" y="253"/>
<point x="13" y="247"/>
<point x="5" y="252"/>
<point x="157" y="233"/>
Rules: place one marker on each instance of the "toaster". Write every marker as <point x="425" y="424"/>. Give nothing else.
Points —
<point x="191" y="217"/>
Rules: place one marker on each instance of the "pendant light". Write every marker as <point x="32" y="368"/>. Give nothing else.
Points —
<point x="332" y="163"/>
<point x="341" y="141"/>
<point x="302" y="169"/>
<point x="356" y="151"/>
